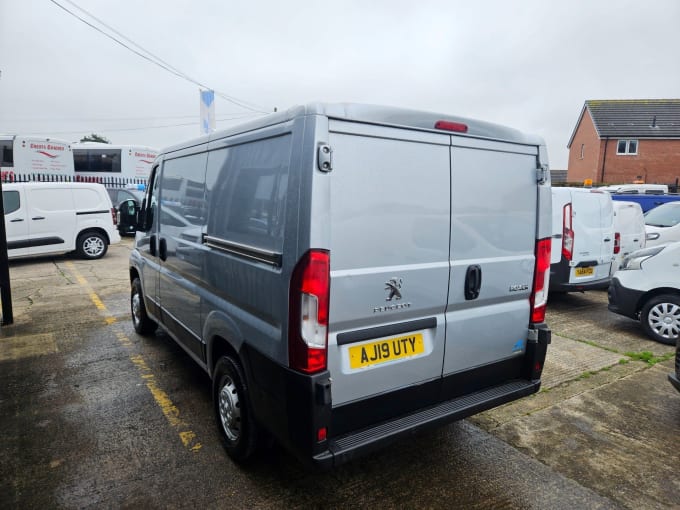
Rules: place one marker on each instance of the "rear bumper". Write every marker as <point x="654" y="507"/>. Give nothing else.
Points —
<point x="559" y="279"/>
<point x="349" y="446"/>
<point x="674" y="381"/>
<point x="293" y="407"/>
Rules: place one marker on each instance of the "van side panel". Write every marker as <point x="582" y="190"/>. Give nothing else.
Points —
<point x="52" y="219"/>
<point x="389" y="257"/>
<point x="493" y="232"/>
<point x="252" y="185"/>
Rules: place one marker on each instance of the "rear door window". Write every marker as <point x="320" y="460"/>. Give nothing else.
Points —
<point x="247" y="186"/>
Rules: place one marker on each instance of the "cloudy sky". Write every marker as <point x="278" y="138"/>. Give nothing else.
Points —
<point x="529" y="64"/>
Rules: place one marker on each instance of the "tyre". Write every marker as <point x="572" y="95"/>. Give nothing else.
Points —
<point x="660" y="318"/>
<point x="91" y="245"/>
<point x="235" y="422"/>
<point x="140" y="320"/>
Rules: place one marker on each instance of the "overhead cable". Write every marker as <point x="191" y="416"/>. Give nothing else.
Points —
<point x="150" y="57"/>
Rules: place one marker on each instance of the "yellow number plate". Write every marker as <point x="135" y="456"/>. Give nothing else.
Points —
<point x="386" y="350"/>
<point x="584" y="271"/>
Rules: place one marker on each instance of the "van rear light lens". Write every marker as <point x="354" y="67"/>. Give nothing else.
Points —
<point x="114" y="214"/>
<point x="447" y="125"/>
<point x="308" y="320"/>
<point x="539" y="293"/>
<point x="617" y="243"/>
<point x="567" y="233"/>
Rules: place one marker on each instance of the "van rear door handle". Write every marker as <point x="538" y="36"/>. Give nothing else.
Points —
<point x="163" y="249"/>
<point x="38" y="218"/>
<point x="606" y="240"/>
<point x="473" y="282"/>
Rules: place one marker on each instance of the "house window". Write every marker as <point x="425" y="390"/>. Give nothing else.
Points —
<point x="627" y="147"/>
<point x="583" y="150"/>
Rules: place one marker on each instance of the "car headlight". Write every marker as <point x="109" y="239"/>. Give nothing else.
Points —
<point x="651" y="236"/>
<point x="635" y="259"/>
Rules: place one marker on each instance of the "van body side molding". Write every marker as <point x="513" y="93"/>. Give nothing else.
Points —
<point x="80" y="213"/>
<point x="243" y="250"/>
<point x="389" y="330"/>
<point x="29" y="243"/>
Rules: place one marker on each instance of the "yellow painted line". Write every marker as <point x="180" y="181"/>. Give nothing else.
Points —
<point x="169" y="409"/>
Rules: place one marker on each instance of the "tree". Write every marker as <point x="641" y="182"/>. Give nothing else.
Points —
<point x="95" y="138"/>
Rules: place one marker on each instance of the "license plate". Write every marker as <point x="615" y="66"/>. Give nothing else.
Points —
<point x="374" y="353"/>
<point x="584" y="271"/>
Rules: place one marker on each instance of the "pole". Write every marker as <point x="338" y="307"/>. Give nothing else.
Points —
<point x="5" y="288"/>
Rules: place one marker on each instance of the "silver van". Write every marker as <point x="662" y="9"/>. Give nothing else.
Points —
<point x="349" y="274"/>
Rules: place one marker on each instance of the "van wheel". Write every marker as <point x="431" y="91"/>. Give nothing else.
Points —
<point x="660" y="318"/>
<point x="140" y="320"/>
<point x="232" y="410"/>
<point x="91" y="245"/>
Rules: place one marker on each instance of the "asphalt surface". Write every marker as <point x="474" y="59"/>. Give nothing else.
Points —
<point x="94" y="415"/>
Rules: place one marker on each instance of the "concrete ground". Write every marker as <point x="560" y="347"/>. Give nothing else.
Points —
<point x="94" y="415"/>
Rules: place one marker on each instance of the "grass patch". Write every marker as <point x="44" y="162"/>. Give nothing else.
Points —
<point x="648" y="357"/>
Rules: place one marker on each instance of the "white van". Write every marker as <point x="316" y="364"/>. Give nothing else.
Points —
<point x="43" y="218"/>
<point x="629" y="231"/>
<point x="336" y="279"/>
<point x="583" y="239"/>
<point x="636" y="189"/>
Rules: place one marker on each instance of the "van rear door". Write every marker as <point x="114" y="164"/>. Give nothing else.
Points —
<point x="592" y="219"/>
<point x="494" y="196"/>
<point x="389" y="245"/>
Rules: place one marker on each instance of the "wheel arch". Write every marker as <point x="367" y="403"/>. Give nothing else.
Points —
<point x="652" y="294"/>
<point x="223" y="337"/>
<point x="98" y="230"/>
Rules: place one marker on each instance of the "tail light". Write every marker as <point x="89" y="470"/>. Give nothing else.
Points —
<point x="308" y="320"/>
<point x="567" y="233"/>
<point x="539" y="292"/>
<point x="114" y="214"/>
<point x="617" y="243"/>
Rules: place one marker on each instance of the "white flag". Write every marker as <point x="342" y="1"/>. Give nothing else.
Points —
<point x="207" y="111"/>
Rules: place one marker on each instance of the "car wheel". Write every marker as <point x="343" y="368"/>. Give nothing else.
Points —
<point x="232" y="410"/>
<point x="140" y="320"/>
<point x="91" y="245"/>
<point x="660" y="318"/>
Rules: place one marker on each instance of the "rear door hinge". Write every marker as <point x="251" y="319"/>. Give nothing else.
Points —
<point x="325" y="157"/>
<point x="542" y="174"/>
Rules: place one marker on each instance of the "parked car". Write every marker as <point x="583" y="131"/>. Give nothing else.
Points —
<point x="330" y="270"/>
<point x="647" y="288"/>
<point x="662" y="224"/>
<point x="629" y="231"/>
<point x="582" y="239"/>
<point x="44" y="218"/>
<point x="120" y="198"/>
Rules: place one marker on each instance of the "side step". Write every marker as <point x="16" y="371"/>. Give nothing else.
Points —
<point x="349" y="446"/>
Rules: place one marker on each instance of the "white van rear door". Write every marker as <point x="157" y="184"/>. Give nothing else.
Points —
<point x="389" y="250"/>
<point x="493" y="236"/>
<point x="592" y="221"/>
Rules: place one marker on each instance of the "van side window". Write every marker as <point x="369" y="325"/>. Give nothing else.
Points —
<point x="182" y="191"/>
<point x="247" y="186"/>
<point x="11" y="201"/>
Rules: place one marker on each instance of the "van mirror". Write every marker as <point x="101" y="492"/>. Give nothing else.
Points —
<point x="127" y="211"/>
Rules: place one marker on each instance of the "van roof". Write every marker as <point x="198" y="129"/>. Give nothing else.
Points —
<point x="373" y="114"/>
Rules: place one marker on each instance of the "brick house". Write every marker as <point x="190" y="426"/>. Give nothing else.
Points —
<point x="622" y="141"/>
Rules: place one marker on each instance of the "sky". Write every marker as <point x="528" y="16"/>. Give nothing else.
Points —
<point x="527" y="64"/>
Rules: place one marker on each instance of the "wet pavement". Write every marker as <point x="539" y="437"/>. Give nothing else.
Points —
<point x="94" y="415"/>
